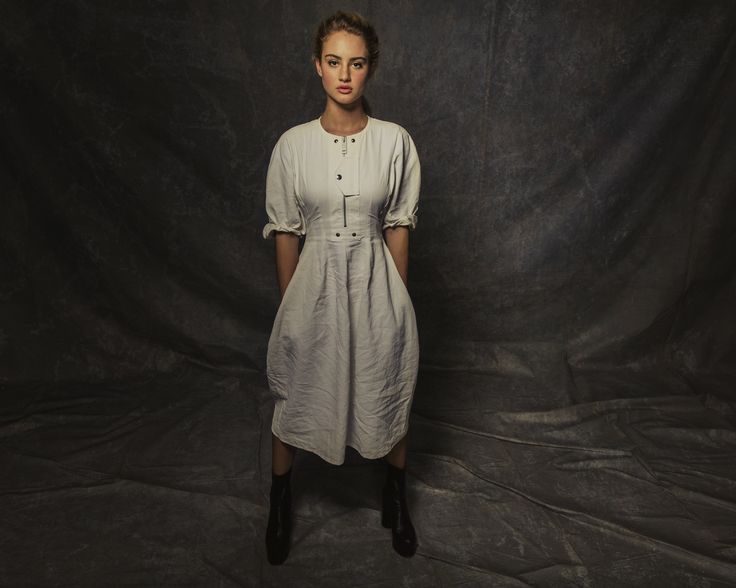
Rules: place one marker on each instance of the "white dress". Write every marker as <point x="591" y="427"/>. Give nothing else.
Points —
<point x="343" y="354"/>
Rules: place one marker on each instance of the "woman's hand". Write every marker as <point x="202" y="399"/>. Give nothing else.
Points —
<point x="287" y="256"/>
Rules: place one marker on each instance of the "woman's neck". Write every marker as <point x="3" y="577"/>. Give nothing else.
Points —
<point x="343" y="121"/>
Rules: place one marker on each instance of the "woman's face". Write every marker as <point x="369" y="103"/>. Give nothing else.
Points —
<point x="343" y="67"/>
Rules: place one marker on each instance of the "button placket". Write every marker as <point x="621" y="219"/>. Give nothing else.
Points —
<point x="346" y="177"/>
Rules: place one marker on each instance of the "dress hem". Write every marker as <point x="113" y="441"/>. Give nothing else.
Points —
<point x="337" y="461"/>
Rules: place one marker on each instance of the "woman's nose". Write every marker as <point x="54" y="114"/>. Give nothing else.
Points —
<point x="345" y="74"/>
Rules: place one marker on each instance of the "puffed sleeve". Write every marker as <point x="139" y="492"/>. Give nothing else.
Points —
<point x="282" y="206"/>
<point x="404" y="199"/>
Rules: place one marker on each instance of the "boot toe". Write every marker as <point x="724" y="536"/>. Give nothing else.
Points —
<point x="405" y="544"/>
<point x="277" y="545"/>
<point x="277" y="553"/>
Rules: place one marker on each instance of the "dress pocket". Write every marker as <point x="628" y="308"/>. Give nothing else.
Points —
<point x="394" y="270"/>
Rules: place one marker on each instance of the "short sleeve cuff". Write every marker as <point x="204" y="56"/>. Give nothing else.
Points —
<point x="409" y="221"/>
<point x="271" y="228"/>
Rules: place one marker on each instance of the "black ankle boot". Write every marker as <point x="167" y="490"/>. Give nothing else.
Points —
<point x="278" y="532"/>
<point x="395" y="512"/>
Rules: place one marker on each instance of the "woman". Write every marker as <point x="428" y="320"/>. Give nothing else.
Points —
<point x="343" y="353"/>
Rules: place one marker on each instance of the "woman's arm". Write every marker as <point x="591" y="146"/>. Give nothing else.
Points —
<point x="287" y="256"/>
<point x="397" y="240"/>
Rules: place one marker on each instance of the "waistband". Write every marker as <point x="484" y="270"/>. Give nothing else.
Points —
<point x="338" y="233"/>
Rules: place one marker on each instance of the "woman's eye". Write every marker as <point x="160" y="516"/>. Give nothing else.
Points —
<point x="358" y="65"/>
<point x="332" y="62"/>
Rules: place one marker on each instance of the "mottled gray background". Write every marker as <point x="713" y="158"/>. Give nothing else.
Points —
<point x="573" y="273"/>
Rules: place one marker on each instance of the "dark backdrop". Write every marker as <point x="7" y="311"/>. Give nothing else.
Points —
<point x="577" y="224"/>
<point x="578" y="188"/>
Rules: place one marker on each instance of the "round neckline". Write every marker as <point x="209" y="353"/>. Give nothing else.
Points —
<point x="360" y="132"/>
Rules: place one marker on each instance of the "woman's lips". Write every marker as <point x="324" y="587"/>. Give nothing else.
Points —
<point x="344" y="89"/>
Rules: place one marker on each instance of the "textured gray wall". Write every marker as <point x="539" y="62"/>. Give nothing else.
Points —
<point x="577" y="206"/>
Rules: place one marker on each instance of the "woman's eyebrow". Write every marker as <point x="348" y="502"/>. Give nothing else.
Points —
<point x="351" y="59"/>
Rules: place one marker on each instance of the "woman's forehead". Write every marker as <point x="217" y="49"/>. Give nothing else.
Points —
<point x="344" y="44"/>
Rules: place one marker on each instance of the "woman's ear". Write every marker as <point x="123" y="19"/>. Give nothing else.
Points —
<point x="318" y="66"/>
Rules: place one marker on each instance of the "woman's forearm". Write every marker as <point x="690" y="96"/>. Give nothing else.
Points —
<point x="397" y="240"/>
<point x="287" y="256"/>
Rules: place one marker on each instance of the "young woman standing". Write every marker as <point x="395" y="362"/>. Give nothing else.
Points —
<point x="344" y="351"/>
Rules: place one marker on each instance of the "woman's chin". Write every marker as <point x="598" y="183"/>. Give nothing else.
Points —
<point x="347" y="100"/>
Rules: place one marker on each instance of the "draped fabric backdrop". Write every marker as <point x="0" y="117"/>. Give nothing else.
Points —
<point x="573" y="273"/>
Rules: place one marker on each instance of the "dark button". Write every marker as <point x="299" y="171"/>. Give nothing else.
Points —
<point x="352" y="140"/>
<point x="335" y="140"/>
<point x="339" y="177"/>
<point x="337" y="234"/>
<point x="353" y="234"/>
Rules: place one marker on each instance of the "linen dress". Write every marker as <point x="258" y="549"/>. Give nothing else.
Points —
<point x="343" y="354"/>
